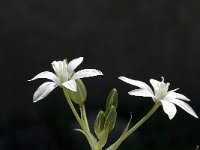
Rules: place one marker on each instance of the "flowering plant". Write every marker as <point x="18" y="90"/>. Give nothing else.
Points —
<point x="75" y="92"/>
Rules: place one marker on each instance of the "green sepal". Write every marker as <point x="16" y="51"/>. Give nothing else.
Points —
<point x="80" y="96"/>
<point x="110" y="118"/>
<point x="112" y="99"/>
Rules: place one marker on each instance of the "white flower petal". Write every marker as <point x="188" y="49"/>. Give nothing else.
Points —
<point x="175" y="95"/>
<point x="184" y="106"/>
<point x="57" y="66"/>
<point x="169" y="108"/>
<point x="155" y="84"/>
<point x="43" y="91"/>
<point x="64" y="73"/>
<point x="137" y="83"/>
<point x="141" y="92"/>
<point x="46" y="75"/>
<point x="86" y="73"/>
<point x="73" y="65"/>
<point x="70" y="85"/>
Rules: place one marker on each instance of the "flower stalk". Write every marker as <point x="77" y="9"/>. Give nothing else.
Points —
<point x="72" y="107"/>
<point x="135" y="127"/>
<point x="82" y="121"/>
<point x="84" y="115"/>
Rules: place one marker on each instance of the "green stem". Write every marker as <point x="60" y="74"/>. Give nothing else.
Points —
<point x="72" y="107"/>
<point x="83" y="111"/>
<point x="91" y="139"/>
<point x="135" y="127"/>
<point x="149" y="114"/>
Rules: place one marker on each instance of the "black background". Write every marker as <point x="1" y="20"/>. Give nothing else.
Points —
<point x="135" y="38"/>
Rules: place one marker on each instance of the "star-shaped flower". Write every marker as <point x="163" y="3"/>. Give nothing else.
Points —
<point x="168" y="99"/>
<point x="64" y="77"/>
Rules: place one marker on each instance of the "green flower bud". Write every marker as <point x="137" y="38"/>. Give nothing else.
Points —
<point x="100" y="130"/>
<point x="99" y="123"/>
<point x="78" y="97"/>
<point x="112" y="99"/>
<point x="110" y="118"/>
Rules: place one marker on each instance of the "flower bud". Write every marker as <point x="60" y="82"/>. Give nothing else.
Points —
<point x="80" y="95"/>
<point x="99" y="123"/>
<point x="110" y="118"/>
<point x="100" y="130"/>
<point x="112" y="99"/>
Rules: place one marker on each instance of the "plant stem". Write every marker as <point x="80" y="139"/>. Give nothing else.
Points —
<point x="72" y="107"/>
<point x="135" y="127"/>
<point x="83" y="111"/>
<point x="85" y="129"/>
<point x="149" y="114"/>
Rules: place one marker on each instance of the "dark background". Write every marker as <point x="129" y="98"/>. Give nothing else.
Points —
<point x="135" y="38"/>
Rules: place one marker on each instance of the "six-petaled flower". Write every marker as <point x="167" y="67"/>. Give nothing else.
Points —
<point x="161" y="94"/>
<point x="64" y="76"/>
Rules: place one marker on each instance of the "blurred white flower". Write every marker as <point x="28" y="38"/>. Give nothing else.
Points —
<point x="64" y="76"/>
<point x="161" y="94"/>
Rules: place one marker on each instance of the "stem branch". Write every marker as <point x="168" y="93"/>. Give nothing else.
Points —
<point x="82" y="122"/>
<point x="135" y="127"/>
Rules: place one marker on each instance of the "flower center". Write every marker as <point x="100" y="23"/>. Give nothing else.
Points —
<point x="60" y="68"/>
<point x="162" y="91"/>
<point x="63" y="77"/>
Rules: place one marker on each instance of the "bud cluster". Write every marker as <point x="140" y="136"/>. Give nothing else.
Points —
<point x="105" y="120"/>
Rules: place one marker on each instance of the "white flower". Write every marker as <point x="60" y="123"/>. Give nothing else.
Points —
<point x="161" y="94"/>
<point x="64" y="76"/>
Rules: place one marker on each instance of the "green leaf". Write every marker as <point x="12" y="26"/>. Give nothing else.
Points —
<point x="127" y="126"/>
